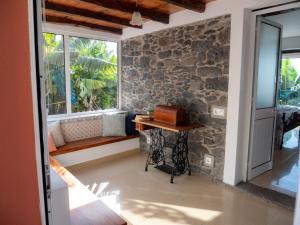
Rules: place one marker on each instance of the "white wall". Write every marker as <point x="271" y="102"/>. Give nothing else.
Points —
<point x="291" y="43"/>
<point x="237" y="117"/>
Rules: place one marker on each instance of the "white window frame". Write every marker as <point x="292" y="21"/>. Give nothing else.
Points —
<point x="70" y="31"/>
<point x="295" y="54"/>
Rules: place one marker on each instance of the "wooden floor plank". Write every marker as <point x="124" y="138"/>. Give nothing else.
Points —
<point x="85" y="207"/>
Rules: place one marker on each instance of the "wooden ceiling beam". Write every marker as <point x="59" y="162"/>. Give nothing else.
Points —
<point x="195" y="5"/>
<point x="89" y="14"/>
<point x="130" y="8"/>
<point x="63" y="20"/>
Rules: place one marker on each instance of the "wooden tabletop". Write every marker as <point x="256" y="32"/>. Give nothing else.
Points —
<point x="169" y="127"/>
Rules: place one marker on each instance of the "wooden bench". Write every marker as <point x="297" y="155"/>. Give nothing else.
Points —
<point x="85" y="207"/>
<point x="90" y="143"/>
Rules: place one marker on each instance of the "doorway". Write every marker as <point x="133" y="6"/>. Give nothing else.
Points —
<point x="273" y="161"/>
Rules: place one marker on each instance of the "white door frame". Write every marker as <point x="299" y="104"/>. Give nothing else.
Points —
<point x="34" y="10"/>
<point x="248" y="83"/>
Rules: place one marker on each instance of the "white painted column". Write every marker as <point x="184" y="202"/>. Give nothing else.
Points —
<point x="234" y="97"/>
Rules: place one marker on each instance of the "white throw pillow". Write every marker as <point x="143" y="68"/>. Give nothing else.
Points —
<point x="113" y="125"/>
<point x="55" y="131"/>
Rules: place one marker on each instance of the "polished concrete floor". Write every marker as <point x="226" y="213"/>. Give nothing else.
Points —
<point x="284" y="175"/>
<point x="148" y="198"/>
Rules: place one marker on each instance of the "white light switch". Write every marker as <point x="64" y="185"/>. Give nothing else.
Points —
<point x="148" y="140"/>
<point x="218" y="112"/>
<point x="209" y="160"/>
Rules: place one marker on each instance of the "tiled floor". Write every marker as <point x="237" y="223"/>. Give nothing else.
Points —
<point x="284" y="175"/>
<point x="144" y="198"/>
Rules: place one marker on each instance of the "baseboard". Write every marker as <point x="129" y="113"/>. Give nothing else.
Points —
<point x="103" y="159"/>
<point x="91" y="154"/>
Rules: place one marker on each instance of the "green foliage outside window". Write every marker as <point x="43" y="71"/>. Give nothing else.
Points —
<point x="54" y="65"/>
<point x="289" y="93"/>
<point x="93" y="74"/>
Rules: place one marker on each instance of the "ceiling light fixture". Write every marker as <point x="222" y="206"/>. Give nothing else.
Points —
<point x="136" y="19"/>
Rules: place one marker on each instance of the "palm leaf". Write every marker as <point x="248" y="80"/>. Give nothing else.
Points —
<point x="87" y="86"/>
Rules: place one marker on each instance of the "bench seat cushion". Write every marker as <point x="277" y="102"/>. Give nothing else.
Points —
<point x="89" y="143"/>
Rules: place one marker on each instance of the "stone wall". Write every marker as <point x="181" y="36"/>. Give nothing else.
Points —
<point x="185" y="66"/>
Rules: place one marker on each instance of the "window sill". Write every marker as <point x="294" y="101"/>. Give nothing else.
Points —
<point x="84" y="115"/>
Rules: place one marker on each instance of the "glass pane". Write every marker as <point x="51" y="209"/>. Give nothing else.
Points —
<point x="54" y="65"/>
<point x="267" y="66"/>
<point x="94" y="79"/>
<point x="289" y="92"/>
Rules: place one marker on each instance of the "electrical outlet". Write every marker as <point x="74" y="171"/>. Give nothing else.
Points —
<point x="218" y="112"/>
<point x="209" y="160"/>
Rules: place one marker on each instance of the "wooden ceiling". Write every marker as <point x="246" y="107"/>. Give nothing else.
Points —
<point x="114" y="15"/>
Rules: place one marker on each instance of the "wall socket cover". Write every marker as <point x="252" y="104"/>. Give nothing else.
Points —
<point x="148" y="140"/>
<point x="209" y="160"/>
<point x="218" y="112"/>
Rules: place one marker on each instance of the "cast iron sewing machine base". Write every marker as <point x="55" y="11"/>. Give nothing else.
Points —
<point x="179" y="153"/>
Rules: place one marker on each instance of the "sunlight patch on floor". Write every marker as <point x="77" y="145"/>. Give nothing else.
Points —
<point x="146" y="209"/>
<point x="288" y="181"/>
<point x="204" y="215"/>
<point x="110" y="198"/>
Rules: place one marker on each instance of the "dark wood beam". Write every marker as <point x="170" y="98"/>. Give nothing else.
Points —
<point x="63" y="20"/>
<point x="195" y="5"/>
<point x="88" y="13"/>
<point x="151" y="14"/>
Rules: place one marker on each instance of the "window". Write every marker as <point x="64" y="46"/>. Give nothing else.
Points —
<point x="289" y="91"/>
<point x="93" y="74"/>
<point x="88" y="81"/>
<point x="54" y="65"/>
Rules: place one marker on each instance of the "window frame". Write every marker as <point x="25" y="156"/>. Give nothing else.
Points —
<point x="290" y="53"/>
<point x="63" y="39"/>
<point x="67" y="32"/>
<point x="285" y="54"/>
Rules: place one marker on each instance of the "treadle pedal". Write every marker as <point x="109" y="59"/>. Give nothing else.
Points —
<point x="165" y="168"/>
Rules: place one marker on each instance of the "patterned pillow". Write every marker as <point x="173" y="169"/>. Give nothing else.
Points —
<point x="114" y="125"/>
<point x="81" y="128"/>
